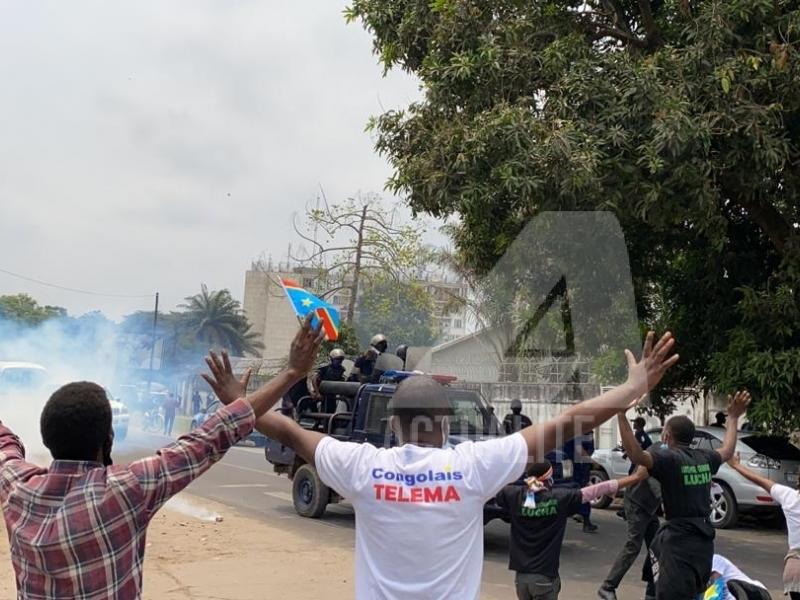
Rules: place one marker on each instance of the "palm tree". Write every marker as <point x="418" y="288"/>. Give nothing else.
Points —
<point x="216" y="319"/>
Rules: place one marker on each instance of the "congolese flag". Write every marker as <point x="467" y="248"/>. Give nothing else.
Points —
<point x="305" y="302"/>
<point x="715" y="592"/>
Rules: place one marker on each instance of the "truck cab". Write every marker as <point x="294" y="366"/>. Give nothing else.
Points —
<point x="363" y="417"/>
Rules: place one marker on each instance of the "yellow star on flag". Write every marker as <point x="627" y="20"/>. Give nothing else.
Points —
<point x="306" y="302"/>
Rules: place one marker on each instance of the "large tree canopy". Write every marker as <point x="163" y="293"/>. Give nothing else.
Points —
<point x="682" y="117"/>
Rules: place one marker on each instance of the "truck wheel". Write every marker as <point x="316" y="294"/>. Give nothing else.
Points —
<point x="598" y="476"/>
<point x="309" y="494"/>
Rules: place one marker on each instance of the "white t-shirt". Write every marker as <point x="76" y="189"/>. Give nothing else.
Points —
<point x="419" y="512"/>
<point x="729" y="571"/>
<point x="789" y="500"/>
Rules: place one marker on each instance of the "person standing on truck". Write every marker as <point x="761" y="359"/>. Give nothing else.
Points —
<point x="402" y="354"/>
<point x="515" y="421"/>
<point x="539" y="516"/>
<point x="681" y="553"/>
<point x="641" y="504"/>
<point x="419" y="506"/>
<point x="365" y="364"/>
<point x="333" y="371"/>
<point x="77" y="528"/>
<point x="580" y="451"/>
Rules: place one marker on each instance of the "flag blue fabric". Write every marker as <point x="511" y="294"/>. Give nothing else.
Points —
<point x="715" y="592"/>
<point x="304" y="302"/>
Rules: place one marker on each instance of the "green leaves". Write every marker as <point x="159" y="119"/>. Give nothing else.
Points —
<point x="687" y="127"/>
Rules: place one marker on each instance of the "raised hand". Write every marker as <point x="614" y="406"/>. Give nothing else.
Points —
<point x="223" y="381"/>
<point x="737" y="405"/>
<point x="305" y="347"/>
<point x="645" y="374"/>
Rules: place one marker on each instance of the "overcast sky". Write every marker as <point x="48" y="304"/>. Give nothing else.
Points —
<point x="152" y="145"/>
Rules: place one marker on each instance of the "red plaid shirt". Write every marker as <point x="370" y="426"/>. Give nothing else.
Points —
<point x="77" y="529"/>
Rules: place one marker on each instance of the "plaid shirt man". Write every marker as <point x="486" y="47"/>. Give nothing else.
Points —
<point x="77" y="529"/>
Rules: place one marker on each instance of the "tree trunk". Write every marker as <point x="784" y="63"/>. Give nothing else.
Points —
<point x="351" y="307"/>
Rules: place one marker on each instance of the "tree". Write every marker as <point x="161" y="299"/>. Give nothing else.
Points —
<point x="25" y="310"/>
<point x="363" y="242"/>
<point x="680" y="117"/>
<point x="402" y="311"/>
<point x="214" y="318"/>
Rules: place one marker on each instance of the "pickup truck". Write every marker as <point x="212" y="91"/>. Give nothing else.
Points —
<point x="363" y="418"/>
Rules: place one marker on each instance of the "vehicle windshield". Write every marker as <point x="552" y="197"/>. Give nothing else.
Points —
<point x="21" y="378"/>
<point x="772" y="446"/>
<point x="470" y="415"/>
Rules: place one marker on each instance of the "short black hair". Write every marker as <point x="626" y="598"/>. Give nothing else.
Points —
<point x="540" y="468"/>
<point x="682" y="429"/>
<point x="639" y="422"/>
<point x="76" y="421"/>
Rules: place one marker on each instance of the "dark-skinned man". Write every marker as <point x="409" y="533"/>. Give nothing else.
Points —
<point x="419" y="506"/>
<point x="682" y="550"/>
<point x="333" y="371"/>
<point x="365" y="364"/>
<point x="77" y="528"/>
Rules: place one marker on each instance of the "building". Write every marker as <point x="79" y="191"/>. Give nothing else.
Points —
<point x="273" y="319"/>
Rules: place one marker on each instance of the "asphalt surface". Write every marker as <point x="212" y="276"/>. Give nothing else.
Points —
<point x="245" y="481"/>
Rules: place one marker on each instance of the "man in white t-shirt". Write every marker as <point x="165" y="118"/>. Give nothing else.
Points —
<point x="419" y="506"/>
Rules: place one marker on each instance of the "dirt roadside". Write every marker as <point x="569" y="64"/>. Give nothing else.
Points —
<point x="237" y="559"/>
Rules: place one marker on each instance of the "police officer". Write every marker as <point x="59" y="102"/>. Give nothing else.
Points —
<point x="333" y="371"/>
<point x="402" y="352"/>
<point x="365" y="364"/>
<point x="515" y="421"/>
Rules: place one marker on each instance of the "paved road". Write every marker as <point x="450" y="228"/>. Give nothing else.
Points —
<point x="244" y="480"/>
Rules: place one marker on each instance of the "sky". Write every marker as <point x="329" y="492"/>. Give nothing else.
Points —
<point x="153" y="146"/>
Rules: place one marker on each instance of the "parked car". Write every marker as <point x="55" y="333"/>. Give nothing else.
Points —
<point x="120" y="416"/>
<point x="18" y="376"/>
<point x="768" y="455"/>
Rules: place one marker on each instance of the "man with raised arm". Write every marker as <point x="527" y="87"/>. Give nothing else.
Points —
<point x="683" y="548"/>
<point x="419" y="506"/>
<point x="77" y="529"/>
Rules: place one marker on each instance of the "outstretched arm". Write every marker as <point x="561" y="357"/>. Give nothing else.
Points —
<point x="642" y="377"/>
<point x="302" y="354"/>
<point x="737" y="406"/>
<point x="610" y="487"/>
<point x="736" y="464"/>
<point x="289" y="433"/>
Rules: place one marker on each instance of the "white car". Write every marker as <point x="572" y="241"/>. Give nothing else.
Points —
<point x="770" y="456"/>
<point x="18" y="376"/>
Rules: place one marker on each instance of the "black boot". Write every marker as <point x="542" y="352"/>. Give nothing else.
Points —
<point x="588" y="526"/>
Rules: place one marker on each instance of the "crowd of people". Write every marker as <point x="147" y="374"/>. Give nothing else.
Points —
<point x="77" y="528"/>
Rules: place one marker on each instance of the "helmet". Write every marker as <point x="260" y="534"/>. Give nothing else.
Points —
<point x="377" y="339"/>
<point x="401" y="351"/>
<point x="516" y="404"/>
<point x="336" y="353"/>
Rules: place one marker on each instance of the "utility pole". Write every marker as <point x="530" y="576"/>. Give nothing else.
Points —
<point x="152" y="350"/>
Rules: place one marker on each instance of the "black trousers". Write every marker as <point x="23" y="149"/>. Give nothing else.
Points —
<point x="681" y="556"/>
<point x="642" y="528"/>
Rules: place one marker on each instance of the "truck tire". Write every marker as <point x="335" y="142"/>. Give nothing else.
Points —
<point x="599" y="476"/>
<point x="309" y="494"/>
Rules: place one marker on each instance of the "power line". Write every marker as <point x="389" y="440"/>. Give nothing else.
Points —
<point x="75" y="290"/>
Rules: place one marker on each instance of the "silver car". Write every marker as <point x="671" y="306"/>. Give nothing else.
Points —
<point x="770" y="456"/>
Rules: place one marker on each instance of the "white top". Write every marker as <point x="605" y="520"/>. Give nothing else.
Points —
<point x="789" y="500"/>
<point x="730" y="571"/>
<point x="419" y="512"/>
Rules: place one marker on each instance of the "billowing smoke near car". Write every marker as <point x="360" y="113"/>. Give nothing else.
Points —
<point x="36" y="360"/>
